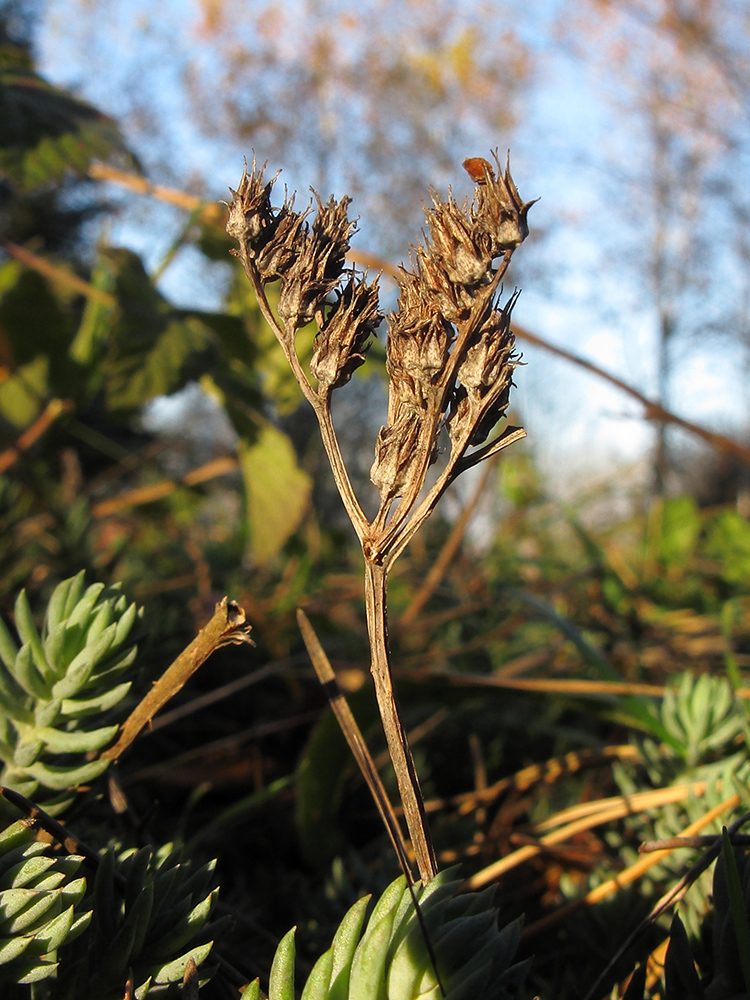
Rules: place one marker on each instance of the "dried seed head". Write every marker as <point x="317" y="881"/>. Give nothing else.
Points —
<point x="342" y="343"/>
<point x="396" y="454"/>
<point x="250" y="212"/>
<point x="318" y="263"/>
<point x="333" y="229"/>
<point x="500" y="213"/>
<point x="484" y="377"/>
<point x="275" y="254"/>
<point x="458" y="246"/>
<point x="419" y="339"/>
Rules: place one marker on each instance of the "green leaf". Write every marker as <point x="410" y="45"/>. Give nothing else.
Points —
<point x="281" y="982"/>
<point x="277" y="492"/>
<point x="680" y="527"/>
<point x="154" y="350"/>
<point x="59" y="778"/>
<point x="728" y="541"/>
<point x="46" y="131"/>
<point x="174" y="971"/>
<point x="319" y="980"/>
<point x="682" y="981"/>
<point x="251" y="991"/>
<point x="737" y="903"/>
<point x="77" y="740"/>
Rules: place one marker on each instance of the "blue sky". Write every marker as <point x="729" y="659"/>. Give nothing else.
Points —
<point x="128" y="57"/>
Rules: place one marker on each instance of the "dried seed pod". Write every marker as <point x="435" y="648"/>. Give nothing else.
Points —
<point x="278" y="247"/>
<point x="485" y="377"/>
<point x="500" y="214"/>
<point x="341" y="345"/>
<point x="332" y="228"/>
<point x="250" y="212"/>
<point x="395" y="454"/>
<point x="419" y="339"/>
<point x="457" y="245"/>
<point x="317" y="266"/>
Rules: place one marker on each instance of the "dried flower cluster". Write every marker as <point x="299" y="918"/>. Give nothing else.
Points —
<point x="450" y="361"/>
<point x="309" y="261"/>
<point x="450" y="349"/>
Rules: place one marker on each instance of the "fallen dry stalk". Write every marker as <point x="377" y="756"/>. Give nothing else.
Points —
<point x="227" y="626"/>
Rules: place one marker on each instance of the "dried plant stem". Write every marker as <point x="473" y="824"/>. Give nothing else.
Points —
<point x="449" y="355"/>
<point x="322" y="407"/>
<point x="395" y="734"/>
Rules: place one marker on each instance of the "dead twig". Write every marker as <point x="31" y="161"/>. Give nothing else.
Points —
<point x="227" y="626"/>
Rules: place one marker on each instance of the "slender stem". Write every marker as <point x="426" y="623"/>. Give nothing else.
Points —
<point x="340" y="474"/>
<point x="321" y="407"/>
<point x="395" y="734"/>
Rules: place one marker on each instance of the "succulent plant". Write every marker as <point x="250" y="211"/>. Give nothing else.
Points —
<point x="391" y="959"/>
<point x="151" y="915"/>
<point x="53" y="683"/>
<point x="728" y="941"/>
<point x="39" y="905"/>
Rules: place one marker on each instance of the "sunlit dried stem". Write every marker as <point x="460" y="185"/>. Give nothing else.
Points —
<point x="322" y="407"/>
<point x="451" y="363"/>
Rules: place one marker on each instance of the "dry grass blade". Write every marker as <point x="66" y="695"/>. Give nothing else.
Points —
<point x="584" y="817"/>
<point x="631" y="874"/>
<point x="354" y="738"/>
<point x="228" y="625"/>
<point x="551" y="770"/>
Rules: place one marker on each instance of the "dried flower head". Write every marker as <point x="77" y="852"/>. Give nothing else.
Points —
<point x="500" y="212"/>
<point x="343" y="341"/>
<point x="484" y="377"/>
<point x="250" y="212"/>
